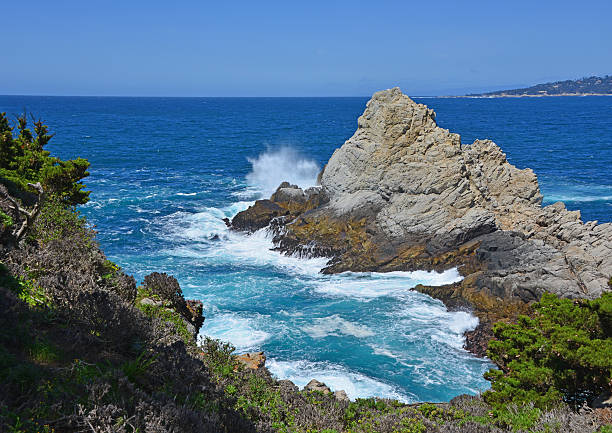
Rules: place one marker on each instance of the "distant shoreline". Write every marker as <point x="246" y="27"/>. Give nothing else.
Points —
<point x="503" y="95"/>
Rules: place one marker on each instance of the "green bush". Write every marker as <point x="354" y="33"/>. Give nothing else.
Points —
<point x="23" y="160"/>
<point x="57" y="222"/>
<point x="561" y="353"/>
<point x="6" y="220"/>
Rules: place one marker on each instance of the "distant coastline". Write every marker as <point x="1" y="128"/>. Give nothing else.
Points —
<point x="505" y="95"/>
<point x="587" y="86"/>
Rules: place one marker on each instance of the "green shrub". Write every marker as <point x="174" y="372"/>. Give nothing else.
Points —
<point x="169" y="316"/>
<point x="219" y="357"/>
<point x="23" y="160"/>
<point x="43" y="351"/>
<point x="135" y="369"/>
<point x="561" y="353"/>
<point x="57" y="222"/>
<point x="6" y="220"/>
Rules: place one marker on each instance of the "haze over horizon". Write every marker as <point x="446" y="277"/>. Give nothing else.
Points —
<point x="336" y="48"/>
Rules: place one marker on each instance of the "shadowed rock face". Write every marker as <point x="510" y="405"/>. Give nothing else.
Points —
<point x="404" y="194"/>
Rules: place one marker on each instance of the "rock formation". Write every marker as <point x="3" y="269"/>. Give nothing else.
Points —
<point x="405" y="194"/>
<point x="252" y="360"/>
<point x="315" y="385"/>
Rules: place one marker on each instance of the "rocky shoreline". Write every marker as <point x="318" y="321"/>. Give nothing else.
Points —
<point x="405" y="194"/>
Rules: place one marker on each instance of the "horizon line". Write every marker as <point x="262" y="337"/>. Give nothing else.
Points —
<point x="175" y="96"/>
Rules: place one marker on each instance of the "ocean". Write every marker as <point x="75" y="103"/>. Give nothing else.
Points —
<point x="165" y="171"/>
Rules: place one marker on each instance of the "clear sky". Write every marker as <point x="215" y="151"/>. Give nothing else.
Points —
<point x="297" y="48"/>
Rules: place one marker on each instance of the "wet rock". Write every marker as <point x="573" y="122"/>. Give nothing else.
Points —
<point x="315" y="385"/>
<point x="285" y="205"/>
<point x="477" y="341"/>
<point x="253" y="360"/>
<point x="257" y="216"/>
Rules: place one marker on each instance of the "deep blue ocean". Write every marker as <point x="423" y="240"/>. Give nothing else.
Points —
<point x="166" y="170"/>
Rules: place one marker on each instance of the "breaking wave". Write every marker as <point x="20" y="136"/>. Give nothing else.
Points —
<point x="284" y="164"/>
<point x="337" y="377"/>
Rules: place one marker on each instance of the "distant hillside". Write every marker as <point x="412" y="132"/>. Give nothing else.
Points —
<point x="582" y="86"/>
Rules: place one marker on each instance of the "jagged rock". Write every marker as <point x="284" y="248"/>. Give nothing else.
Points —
<point x="253" y="360"/>
<point x="315" y="385"/>
<point x="341" y="395"/>
<point x="257" y="216"/>
<point x="288" y="386"/>
<point x="405" y="194"/>
<point x="288" y="201"/>
<point x="195" y="309"/>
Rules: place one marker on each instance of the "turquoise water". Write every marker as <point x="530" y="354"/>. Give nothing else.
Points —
<point x="166" y="170"/>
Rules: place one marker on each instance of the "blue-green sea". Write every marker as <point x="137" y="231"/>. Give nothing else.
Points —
<point x="165" y="171"/>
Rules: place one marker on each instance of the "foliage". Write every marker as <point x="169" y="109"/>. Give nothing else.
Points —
<point x="56" y="222"/>
<point x="6" y="220"/>
<point x="137" y="368"/>
<point x="219" y="357"/>
<point x="23" y="160"/>
<point x="561" y="353"/>
<point x="170" y="316"/>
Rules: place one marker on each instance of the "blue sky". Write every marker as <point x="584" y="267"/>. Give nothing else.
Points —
<point x="306" y="48"/>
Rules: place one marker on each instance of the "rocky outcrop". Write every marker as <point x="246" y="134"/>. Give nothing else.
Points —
<point x="258" y="216"/>
<point x="315" y="385"/>
<point x="162" y="291"/>
<point x="405" y="194"/>
<point x="252" y="360"/>
<point x="286" y="203"/>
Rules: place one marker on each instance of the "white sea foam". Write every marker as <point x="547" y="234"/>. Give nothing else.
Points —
<point x="275" y="166"/>
<point x="335" y="326"/>
<point x="256" y="250"/>
<point x="186" y="194"/>
<point x="433" y="321"/>
<point x="383" y="351"/>
<point x="337" y="377"/>
<point x="243" y="332"/>
<point x="462" y="321"/>
<point x="373" y="285"/>
<point x="201" y="226"/>
<point x="577" y="197"/>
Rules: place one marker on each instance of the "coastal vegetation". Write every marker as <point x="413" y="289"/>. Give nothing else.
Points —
<point x="83" y="348"/>
<point x="563" y="352"/>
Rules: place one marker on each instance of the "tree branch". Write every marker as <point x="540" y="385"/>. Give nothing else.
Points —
<point x="30" y="216"/>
